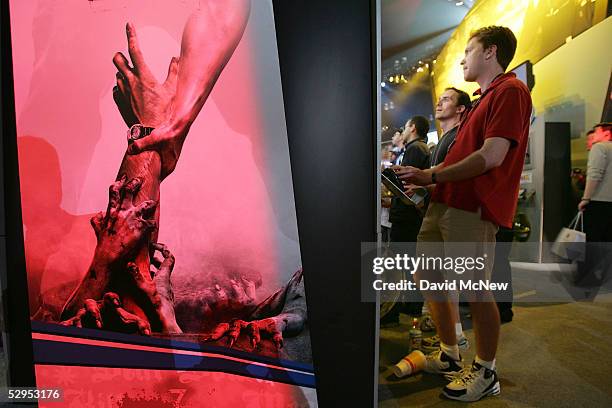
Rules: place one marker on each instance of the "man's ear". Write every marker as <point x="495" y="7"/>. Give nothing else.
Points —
<point x="461" y="109"/>
<point x="491" y="51"/>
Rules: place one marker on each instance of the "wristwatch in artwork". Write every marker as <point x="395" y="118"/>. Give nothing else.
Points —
<point x="138" y="131"/>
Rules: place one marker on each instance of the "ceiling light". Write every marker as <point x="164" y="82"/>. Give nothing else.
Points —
<point x="383" y="84"/>
<point x="459" y="3"/>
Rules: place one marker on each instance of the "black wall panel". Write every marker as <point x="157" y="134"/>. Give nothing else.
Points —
<point x="327" y="60"/>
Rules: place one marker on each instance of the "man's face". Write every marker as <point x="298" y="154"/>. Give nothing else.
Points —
<point x="396" y="138"/>
<point x="446" y="107"/>
<point x="474" y="60"/>
<point x="601" y="134"/>
<point x="409" y="129"/>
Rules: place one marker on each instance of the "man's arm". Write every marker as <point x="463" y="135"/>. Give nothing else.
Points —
<point x="209" y="39"/>
<point x="490" y="155"/>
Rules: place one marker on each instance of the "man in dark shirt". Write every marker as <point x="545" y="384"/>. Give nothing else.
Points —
<point x="405" y="219"/>
<point x="451" y="106"/>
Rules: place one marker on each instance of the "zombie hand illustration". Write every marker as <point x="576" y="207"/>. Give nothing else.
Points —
<point x="120" y="232"/>
<point x="125" y="225"/>
<point x="282" y="313"/>
<point x="108" y="314"/>
<point x="157" y="292"/>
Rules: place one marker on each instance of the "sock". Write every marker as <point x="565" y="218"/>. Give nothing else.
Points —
<point x="425" y="309"/>
<point x="488" y="364"/>
<point x="459" y="330"/>
<point x="451" y="351"/>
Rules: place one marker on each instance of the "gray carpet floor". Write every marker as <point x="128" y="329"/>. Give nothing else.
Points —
<point x="550" y="355"/>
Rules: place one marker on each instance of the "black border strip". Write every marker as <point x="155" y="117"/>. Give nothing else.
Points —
<point x="14" y="277"/>
<point x="93" y="334"/>
<point x="328" y="74"/>
<point x="49" y="352"/>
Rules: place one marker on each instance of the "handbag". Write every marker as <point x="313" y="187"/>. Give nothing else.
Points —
<point x="571" y="242"/>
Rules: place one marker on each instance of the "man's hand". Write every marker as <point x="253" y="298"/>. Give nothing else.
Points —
<point x="413" y="175"/>
<point x="140" y="98"/>
<point x="168" y="142"/>
<point x="138" y="95"/>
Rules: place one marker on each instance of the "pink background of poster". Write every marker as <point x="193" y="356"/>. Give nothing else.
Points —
<point x="228" y="206"/>
<point x="135" y="388"/>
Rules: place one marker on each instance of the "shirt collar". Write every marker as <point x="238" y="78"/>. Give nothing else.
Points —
<point x="498" y="80"/>
<point x="411" y="142"/>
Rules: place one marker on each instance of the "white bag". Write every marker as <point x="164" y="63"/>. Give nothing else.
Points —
<point x="571" y="242"/>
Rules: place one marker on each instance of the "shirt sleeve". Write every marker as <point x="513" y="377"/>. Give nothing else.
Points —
<point x="509" y="114"/>
<point x="597" y="163"/>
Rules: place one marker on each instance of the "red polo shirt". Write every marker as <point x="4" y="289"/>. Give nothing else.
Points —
<point x="504" y="110"/>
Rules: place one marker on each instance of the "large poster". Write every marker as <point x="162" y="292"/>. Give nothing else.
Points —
<point x="159" y="222"/>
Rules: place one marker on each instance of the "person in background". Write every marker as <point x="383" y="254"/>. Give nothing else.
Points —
<point x="596" y="205"/>
<point x="406" y="219"/>
<point x="397" y="140"/>
<point x="385" y="199"/>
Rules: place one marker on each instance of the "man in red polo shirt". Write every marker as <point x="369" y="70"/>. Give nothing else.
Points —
<point x="476" y="192"/>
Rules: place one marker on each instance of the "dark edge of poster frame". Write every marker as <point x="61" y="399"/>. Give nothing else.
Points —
<point x="15" y="307"/>
<point x="328" y="74"/>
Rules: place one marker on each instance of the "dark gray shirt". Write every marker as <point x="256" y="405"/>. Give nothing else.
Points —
<point x="444" y="144"/>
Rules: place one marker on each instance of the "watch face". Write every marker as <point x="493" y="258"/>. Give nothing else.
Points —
<point x="135" y="132"/>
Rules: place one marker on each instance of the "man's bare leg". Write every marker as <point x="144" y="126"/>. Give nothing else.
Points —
<point x="444" y="316"/>
<point x="485" y="316"/>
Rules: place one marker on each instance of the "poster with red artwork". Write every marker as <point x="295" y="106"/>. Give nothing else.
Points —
<point x="160" y="233"/>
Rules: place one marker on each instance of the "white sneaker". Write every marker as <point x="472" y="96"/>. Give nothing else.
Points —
<point x="438" y="362"/>
<point x="473" y="383"/>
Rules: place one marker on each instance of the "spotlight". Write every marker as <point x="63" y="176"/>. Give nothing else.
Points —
<point x="460" y="3"/>
<point x="397" y="79"/>
<point x="420" y="69"/>
<point x="383" y="84"/>
<point x="434" y="61"/>
<point x="391" y="79"/>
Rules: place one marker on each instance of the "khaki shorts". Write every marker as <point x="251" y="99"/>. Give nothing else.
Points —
<point x="448" y="232"/>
